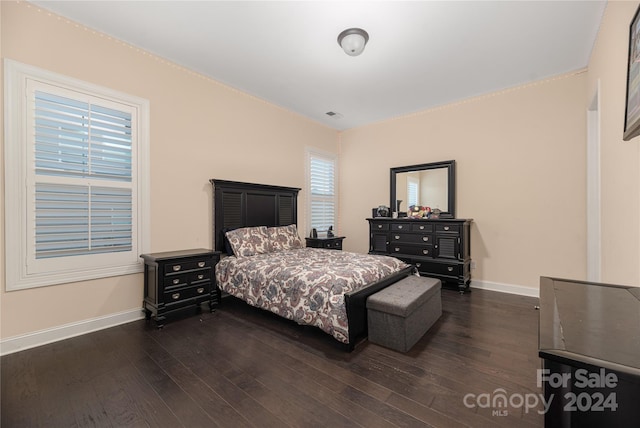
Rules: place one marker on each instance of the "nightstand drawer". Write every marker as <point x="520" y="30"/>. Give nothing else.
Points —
<point x="336" y="244"/>
<point x="186" y="265"/>
<point x="182" y="294"/>
<point x="174" y="280"/>
<point x="200" y="275"/>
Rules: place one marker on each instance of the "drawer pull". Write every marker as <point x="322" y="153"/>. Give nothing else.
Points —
<point x="176" y="281"/>
<point x="418" y="264"/>
<point x="200" y="290"/>
<point x="337" y="244"/>
<point x="379" y="226"/>
<point x="396" y="249"/>
<point x="425" y="238"/>
<point x="200" y="276"/>
<point x="201" y="264"/>
<point x="446" y="228"/>
<point x="176" y="268"/>
<point x="396" y="237"/>
<point x="175" y="296"/>
<point x="399" y="226"/>
<point x="425" y="252"/>
<point x="450" y="268"/>
<point x="421" y="227"/>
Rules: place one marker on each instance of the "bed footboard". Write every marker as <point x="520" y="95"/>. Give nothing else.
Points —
<point x="356" y="305"/>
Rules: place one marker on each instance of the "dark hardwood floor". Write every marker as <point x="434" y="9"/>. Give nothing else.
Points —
<point x="243" y="367"/>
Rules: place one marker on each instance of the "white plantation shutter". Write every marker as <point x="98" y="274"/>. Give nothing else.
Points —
<point x="75" y="220"/>
<point x="83" y="176"/>
<point x="412" y="191"/>
<point x="322" y="191"/>
<point x="76" y="179"/>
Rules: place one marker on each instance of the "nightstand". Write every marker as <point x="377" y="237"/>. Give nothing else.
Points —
<point x="334" y="243"/>
<point x="176" y="280"/>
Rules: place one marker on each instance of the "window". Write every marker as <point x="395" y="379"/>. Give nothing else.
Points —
<point x="413" y="187"/>
<point x="322" y="190"/>
<point x="76" y="172"/>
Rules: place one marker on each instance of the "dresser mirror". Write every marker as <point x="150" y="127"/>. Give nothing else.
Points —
<point x="429" y="184"/>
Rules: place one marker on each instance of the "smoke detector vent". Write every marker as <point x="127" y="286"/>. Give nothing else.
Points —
<point x="333" y="114"/>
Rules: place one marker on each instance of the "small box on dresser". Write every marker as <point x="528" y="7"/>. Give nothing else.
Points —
<point x="438" y="248"/>
<point x="177" y="280"/>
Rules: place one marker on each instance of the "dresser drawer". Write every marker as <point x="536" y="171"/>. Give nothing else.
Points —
<point x="446" y="269"/>
<point x="181" y="294"/>
<point x="421" y="227"/>
<point x="379" y="226"/>
<point x="448" y="228"/>
<point x="413" y="250"/>
<point x="401" y="227"/>
<point x="411" y="238"/>
<point x="185" y="265"/>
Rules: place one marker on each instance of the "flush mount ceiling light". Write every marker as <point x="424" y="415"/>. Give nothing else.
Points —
<point x="353" y="41"/>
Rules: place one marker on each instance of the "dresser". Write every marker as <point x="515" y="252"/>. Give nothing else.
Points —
<point x="333" y="243"/>
<point x="179" y="280"/>
<point x="438" y="248"/>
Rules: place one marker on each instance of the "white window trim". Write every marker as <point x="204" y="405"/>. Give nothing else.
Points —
<point x="17" y="277"/>
<point x="312" y="151"/>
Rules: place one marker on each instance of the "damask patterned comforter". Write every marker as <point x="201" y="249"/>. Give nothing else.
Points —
<point x="306" y="285"/>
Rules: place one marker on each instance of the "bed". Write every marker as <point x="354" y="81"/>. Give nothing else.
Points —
<point x="272" y="270"/>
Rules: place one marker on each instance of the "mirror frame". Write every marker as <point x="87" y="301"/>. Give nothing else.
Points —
<point x="451" y="191"/>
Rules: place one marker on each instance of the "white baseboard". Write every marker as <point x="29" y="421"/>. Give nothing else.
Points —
<point x="506" y="288"/>
<point x="43" y="337"/>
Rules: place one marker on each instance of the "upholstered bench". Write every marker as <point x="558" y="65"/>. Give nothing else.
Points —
<point x="399" y="315"/>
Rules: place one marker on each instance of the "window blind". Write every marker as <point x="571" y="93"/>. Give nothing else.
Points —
<point x="322" y="192"/>
<point x="83" y="171"/>
<point x="412" y="192"/>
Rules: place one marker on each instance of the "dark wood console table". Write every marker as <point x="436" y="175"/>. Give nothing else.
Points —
<point x="589" y="340"/>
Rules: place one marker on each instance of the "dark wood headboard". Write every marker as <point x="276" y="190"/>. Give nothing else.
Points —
<point x="237" y="204"/>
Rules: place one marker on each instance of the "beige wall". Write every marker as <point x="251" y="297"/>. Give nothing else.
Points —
<point x="520" y="166"/>
<point x="520" y="162"/>
<point x="620" y="160"/>
<point x="200" y="129"/>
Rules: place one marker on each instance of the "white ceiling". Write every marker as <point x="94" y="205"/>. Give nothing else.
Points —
<point x="420" y="54"/>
